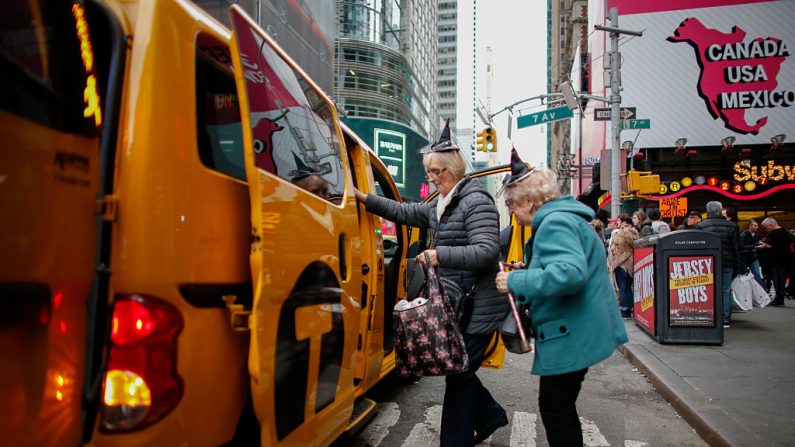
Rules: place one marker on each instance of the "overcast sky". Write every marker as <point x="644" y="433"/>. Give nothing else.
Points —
<point x="516" y="32"/>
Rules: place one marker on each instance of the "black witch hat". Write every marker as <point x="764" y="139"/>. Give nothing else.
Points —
<point x="445" y="143"/>
<point x="519" y="172"/>
<point x="301" y="170"/>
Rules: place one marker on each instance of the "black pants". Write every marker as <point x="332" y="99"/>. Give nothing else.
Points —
<point x="779" y="280"/>
<point x="468" y="405"/>
<point x="557" y="402"/>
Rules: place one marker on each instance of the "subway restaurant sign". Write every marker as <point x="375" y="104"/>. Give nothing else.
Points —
<point x="762" y="174"/>
<point x="390" y="146"/>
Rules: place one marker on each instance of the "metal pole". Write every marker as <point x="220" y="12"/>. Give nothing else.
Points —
<point x="615" y="110"/>
<point x="579" y="149"/>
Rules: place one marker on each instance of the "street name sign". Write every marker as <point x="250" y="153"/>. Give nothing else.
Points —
<point x="603" y="113"/>
<point x="547" y="116"/>
<point x="636" y="124"/>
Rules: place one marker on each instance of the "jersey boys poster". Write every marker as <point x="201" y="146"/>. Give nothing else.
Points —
<point x="644" y="288"/>
<point x="691" y="281"/>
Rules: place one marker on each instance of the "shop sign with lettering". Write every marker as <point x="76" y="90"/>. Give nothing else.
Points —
<point x="390" y="146"/>
<point x="771" y="171"/>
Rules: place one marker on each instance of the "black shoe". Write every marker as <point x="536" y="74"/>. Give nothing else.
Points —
<point x="776" y="303"/>
<point x="483" y="435"/>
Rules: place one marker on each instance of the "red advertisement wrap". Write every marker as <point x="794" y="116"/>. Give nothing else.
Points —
<point x="691" y="282"/>
<point x="644" y="288"/>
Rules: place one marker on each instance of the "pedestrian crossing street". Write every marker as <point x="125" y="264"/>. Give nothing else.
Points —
<point x="523" y="427"/>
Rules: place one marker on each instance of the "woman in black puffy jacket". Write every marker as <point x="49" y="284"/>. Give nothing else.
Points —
<point x="465" y="222"/>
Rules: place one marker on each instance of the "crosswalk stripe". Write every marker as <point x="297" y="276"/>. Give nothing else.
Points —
<point x="378" y="428"/>
<point x="591" y="436"/>
<point x="426" y="433"/>
<point x="523" y="429"/>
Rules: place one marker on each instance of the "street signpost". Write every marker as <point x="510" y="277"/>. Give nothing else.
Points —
<point x="547" y="116"/>
<point x="636" y="124"/>
<point x="603" y="113"/>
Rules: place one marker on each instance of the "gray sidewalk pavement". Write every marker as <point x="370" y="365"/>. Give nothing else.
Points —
<point x="739" y="394"/>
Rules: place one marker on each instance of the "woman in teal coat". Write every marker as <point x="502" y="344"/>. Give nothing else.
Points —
<point x="566" y="284"/>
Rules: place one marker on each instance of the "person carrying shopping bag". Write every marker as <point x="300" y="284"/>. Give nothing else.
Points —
<point x="465" y="222"/>
<point x="572" y="303"/>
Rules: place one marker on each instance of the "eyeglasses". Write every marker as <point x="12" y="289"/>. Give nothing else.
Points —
<point x="511" y="204"/>
<point x="434" y="173"/>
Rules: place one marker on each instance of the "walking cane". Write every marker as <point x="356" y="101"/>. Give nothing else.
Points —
<point x="523" y="341"/>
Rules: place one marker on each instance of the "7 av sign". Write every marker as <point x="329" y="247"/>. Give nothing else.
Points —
<point x="603" y="114"/>
<point x="547" y="116"/>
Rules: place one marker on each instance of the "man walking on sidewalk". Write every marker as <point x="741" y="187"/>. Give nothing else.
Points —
<point x="731" y="263"/>
<point x="778" y="245"/>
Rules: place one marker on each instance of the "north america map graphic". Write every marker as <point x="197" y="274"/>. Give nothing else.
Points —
<point x="736" y="75"/>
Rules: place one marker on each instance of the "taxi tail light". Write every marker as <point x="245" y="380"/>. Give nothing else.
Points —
<point x="141" y="384"/>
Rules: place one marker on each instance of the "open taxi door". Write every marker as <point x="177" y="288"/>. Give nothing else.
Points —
<point x="305" y="256"/>
<point x="383" y="248"/>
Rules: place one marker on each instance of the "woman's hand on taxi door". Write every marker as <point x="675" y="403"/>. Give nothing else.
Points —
<point x="360" y="196"/>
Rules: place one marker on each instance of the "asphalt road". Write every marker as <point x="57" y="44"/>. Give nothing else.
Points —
<point x="617" y="407"/>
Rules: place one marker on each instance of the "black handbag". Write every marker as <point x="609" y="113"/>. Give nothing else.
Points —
<point x="516" y="330"/>
<point x="509" y="331"/>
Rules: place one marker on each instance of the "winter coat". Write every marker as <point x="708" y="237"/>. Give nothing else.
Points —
<point x="748" y="243"/>
<point x="729" y="241"/>
<point x="621" y="249"/>
<point x="572" y="305"/>
<point x="467" y="245"/>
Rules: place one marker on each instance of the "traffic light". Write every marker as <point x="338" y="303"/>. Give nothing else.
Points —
<point x="480" y="141"/>
<point x="491" y="139"/>
<point x="643" y="183"/>
<point x="486" y="140"/>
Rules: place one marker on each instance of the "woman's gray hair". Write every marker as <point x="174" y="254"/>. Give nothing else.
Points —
<point x="453" y="161"/>
<point x="540" y="186"/>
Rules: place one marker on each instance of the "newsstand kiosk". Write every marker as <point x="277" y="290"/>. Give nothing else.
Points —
<point x="677" y="287"/>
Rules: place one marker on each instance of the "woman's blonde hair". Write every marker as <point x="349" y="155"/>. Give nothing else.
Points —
<point x="540" y="186"/>
<point x="453" y="161"/>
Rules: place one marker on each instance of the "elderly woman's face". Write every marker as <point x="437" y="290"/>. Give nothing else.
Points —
<point x="439" y="175"/>
<point x="522" y="208"/>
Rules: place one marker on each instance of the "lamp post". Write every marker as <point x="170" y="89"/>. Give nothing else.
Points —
<point x="615" y="108"/>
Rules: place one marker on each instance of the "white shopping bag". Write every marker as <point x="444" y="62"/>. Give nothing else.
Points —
<point x="742" y="293"/>
<point x="760" y="297"/>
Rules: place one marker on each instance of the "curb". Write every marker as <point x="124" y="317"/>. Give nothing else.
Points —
<point x="705" y="429"/>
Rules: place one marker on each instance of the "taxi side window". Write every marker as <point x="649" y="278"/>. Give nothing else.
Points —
<point x="293" y="127"/>
<point x="220" y="134"/>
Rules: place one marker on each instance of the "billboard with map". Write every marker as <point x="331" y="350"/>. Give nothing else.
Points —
<point x="705" y="69"/>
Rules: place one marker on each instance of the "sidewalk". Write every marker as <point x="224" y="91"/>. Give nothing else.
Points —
<point x="738" y="394"/>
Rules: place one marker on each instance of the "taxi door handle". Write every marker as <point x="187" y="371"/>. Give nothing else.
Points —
<point x="343" y="258"/>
